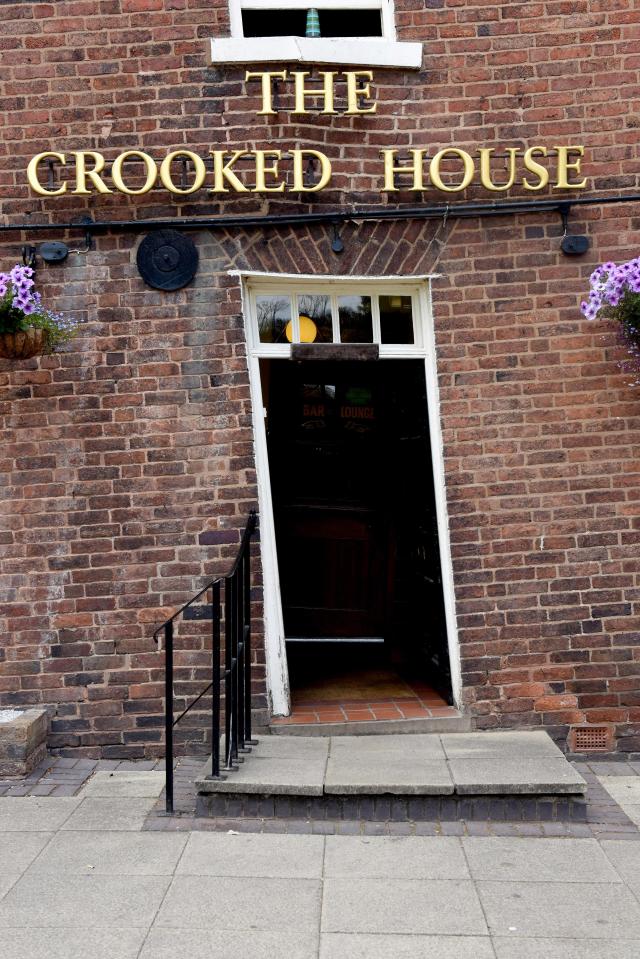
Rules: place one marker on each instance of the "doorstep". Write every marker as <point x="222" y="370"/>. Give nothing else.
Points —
<point x="446" y="720"/>
<point x="502" y="764"/>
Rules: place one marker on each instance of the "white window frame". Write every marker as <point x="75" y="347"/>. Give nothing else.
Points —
<point x="333" y="288"/>
<point x="419" y="287"/>
<point x="383" y="51"/>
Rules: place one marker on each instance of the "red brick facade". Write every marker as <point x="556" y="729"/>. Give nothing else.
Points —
<point x="127" y="459"/>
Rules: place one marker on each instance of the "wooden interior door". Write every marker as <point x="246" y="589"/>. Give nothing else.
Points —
<point x="332" y="572"/>
<point x="332" y="534"/>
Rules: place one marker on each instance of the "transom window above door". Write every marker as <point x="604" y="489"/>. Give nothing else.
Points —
<point x="285" y="313"/>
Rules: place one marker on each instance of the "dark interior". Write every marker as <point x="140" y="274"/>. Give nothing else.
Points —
<point x="355" y="518"/>
<point x="292" y="23"/>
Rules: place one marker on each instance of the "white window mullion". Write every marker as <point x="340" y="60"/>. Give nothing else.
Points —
<point x="235" y="18"/>
<point x="295" y="318"/>
<point x="375" y="318"/>
<point x="387" y="14"/>
<point x="418" y="321"/>
<point x="335" y="318"/>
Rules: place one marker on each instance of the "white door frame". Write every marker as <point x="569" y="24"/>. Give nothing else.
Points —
<point x="420" y="287"/>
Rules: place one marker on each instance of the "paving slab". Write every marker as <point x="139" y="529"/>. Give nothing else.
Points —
<point x="130" y="785"/>
<point x="119" y="815"/>
<point x="72" y="943"/>
<point x="625" y="857"/>
<point x="276" y="775"/>
<point x="336" y="945"/>
<point x="227" y="903"/>
<point x="82" y="901"/>
<point x="508" y="763"/>
<point x="8" y="878"/>
<point x="111" y="854"/>
<point x="560" y="910"/>
<point x="538" y="860"/>
<point x="489" y="745"/>
<point x="565" y="949"/>
<point x="35" y="813"/>
<point x="297" y="747"/>
<point x="375" y="765"/>
<point x="439" y="907"/>
<point x="426" y="747"/>
<point x="624" y="789"/>
<point x="376" y="774"/>
<point x="633" y="811"/>
<point x="257" y="855"/>
<point x="387" y="857"/>
<point x="511" y="775"/>
<point x="19" y="849"/>
<point x="186" y="943"/>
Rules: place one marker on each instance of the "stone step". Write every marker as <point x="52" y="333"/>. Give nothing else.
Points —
<point x="457" y="765"/>
<point x="428" y="724"/>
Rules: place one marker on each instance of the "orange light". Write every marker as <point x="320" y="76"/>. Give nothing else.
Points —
<point x="308" y="329"/>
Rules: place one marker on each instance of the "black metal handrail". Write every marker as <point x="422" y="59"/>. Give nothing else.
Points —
<point x="237" y="666"/>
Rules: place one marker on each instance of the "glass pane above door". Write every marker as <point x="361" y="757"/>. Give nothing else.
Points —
<point x="341" y="313"/>
<point x="273" y="313"/>
<point x="356" y="321"/>
<point x="316" y="325"/>
<point x="396" y="319"/>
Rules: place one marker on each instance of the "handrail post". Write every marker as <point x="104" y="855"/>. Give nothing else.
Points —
<point x="168" y="714"/>
<point x="215" y="679"/>
<point x="233" y="586"/>
<point x="228" y="679"/>
<point x="246" y="599"/>
<point x="239" y="624"/>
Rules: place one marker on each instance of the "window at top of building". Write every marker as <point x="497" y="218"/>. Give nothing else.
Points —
<point x="267" y="22"/>
<point x="330" y="19"/>
<point x="341" y="32"/>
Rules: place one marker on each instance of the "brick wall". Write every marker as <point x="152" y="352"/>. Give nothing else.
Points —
<point x="127" y="459"/>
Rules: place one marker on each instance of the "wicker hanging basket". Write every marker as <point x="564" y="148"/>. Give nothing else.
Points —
<point x="23" y="344"/>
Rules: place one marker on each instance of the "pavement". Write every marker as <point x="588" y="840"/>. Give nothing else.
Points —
<point x="84" y="874"/>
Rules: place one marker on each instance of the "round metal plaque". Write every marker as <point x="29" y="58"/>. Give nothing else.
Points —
<point x="167" y="260"/>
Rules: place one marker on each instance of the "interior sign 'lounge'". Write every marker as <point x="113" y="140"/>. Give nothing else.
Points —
<point x="183" y="172"/>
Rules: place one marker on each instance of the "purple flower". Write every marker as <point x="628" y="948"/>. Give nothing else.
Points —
<point x="19" y="300"/>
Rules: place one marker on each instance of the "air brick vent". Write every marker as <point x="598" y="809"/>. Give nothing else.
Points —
<point x="591" y="739"/>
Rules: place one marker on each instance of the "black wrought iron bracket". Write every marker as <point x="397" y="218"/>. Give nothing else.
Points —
<point x="332" y="217"/>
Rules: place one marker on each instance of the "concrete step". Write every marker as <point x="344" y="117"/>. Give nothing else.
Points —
<point x="501" y="764"/>
<point x="456" y="723"/>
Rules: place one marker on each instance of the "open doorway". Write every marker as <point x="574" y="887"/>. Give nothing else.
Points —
<point x="356" y="536"/>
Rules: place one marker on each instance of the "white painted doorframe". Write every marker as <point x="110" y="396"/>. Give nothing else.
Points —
<point x="275" y="646"/>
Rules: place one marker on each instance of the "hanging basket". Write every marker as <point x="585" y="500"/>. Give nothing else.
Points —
<point x="23" y="344"/>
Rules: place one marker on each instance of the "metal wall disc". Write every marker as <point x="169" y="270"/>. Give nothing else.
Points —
<point x="167" y="260"/>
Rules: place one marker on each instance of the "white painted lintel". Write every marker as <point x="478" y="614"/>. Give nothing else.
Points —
<point x="341" y="51"/>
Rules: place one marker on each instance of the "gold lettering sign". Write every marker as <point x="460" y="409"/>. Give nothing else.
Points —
<point x="449" y="169"/>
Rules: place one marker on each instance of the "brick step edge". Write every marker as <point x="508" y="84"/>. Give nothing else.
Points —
<point x="394" y="808"/>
